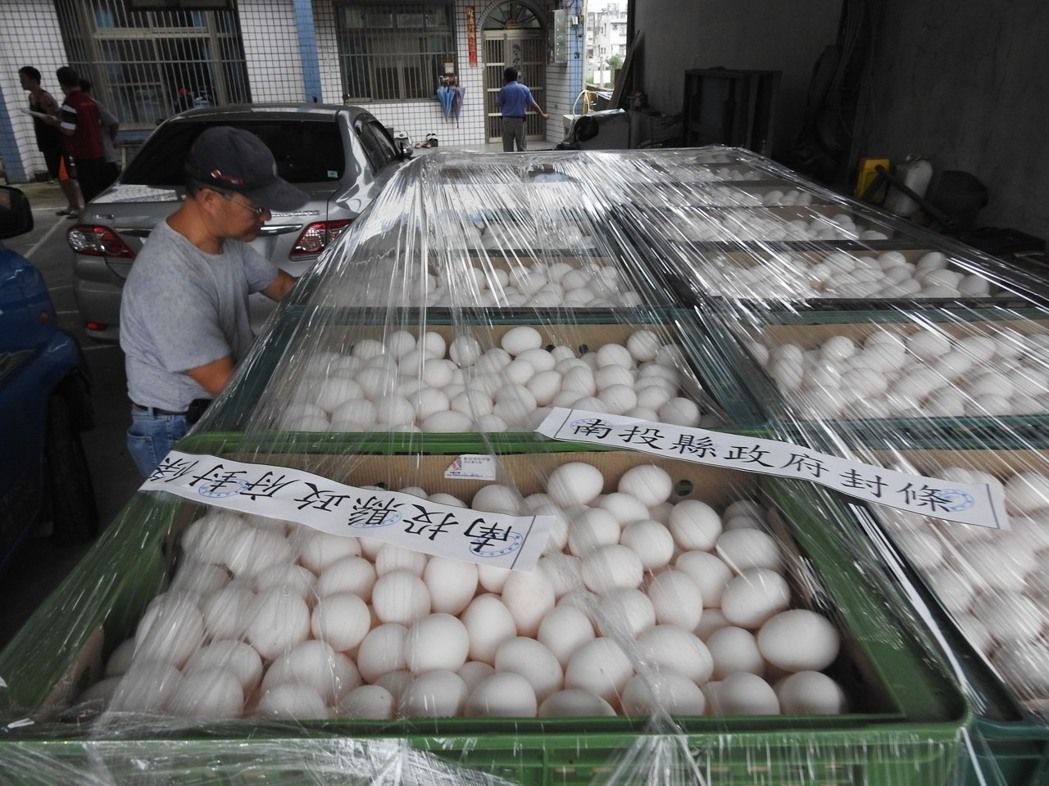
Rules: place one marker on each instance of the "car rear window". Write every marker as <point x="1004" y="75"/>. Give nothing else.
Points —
<point x="306" y="151"/>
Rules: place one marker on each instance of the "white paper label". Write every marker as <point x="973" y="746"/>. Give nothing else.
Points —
<point x="513" y="542"/>
<point x="472" y="466"/>
<point x="978" y="504"/>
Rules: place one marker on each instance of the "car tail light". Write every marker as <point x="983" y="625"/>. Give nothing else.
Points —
<point x="97" y="241"/>
<point x="96" y="326"/>
<point x="318" y="236"/>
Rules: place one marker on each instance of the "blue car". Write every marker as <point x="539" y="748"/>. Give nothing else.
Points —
<point x="45" y="403"/>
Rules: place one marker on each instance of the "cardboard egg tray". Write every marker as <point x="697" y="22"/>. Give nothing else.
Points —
<point x="902" y="728"/>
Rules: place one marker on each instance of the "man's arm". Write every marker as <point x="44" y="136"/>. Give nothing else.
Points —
<point x="214" y="376"/>
<point x="280" y="287"/>
<point x="68" y="120"/>
<point x="539" y="109"/>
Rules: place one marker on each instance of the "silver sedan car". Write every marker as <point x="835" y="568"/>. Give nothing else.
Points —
<point x="340" y="155"/>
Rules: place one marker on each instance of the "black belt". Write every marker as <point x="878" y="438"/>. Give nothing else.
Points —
<point x="193" y="414"/>
<point x="155" y="410"/>
<point x="515" y="117"/>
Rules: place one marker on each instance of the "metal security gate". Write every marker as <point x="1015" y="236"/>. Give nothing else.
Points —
<point x="148" y="65"/>
<point x="525" y="50"/>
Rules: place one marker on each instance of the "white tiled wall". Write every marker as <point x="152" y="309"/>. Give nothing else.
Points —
<point x="271" y="48"/>
<point x="29" y="35"/>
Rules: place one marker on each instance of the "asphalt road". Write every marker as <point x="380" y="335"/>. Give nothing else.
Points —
<point x="40" y="565"/>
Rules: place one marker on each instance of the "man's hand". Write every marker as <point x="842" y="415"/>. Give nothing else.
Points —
<point x="214" y="376"/>
<point x="280" y="287"/>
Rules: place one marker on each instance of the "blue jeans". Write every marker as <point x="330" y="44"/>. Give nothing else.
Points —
<point x="151" y="437"/>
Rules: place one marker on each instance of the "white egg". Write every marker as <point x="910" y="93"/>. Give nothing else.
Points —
<point x="350" y="574"/>
<point x="520" y="339"/>
<point x="119" y="659"/>
<point x="317" y="550"/>
<point x="317" y="665"/>
<point x="651" y="541"/>
<point x="712" y="620"/>
<point x="225" y="612"/>
<point x="753" y="597"/>
<point x="367" y="702"/>
<point x="625" y="508"/>
<point x="709" y="572"/>
<point x="744" y="693"/>
<point x="528" y="597"/>
<point x="391" y="558"/>
<point x="545" y="386"/>
<point x="679" y="412"/>
<point x="1009" y="618"/>
<point x="502" y="695"/>
<point x="447" y="422"/>
<point x="928" y="344"/>
<point x="292" y="701"/>
<point x="695" y="525"/>
<point x="533" y="661"/>
<point x="611" y="567"/>
<point x="1027" y="492"/>
<point x="400" y="596"/>
<point x="396" y="682"/>
<point x="342" y="620"/>
<point x="811" y="693"/>
<point x="599" y="667"/>
<point x="488" y="623"/>
<point x="734" y="649"/>
<point x="614" y="355"/>
<point x="748" y="548"/>
<point x="779" y="640"/>
<point x="575" y="483"/>
<point x="669" y="647"/>
<point x="147" y="687"/>
<point x="436" y="694"/>
<point x="382" y="651"/>
<point x="575" y="703"/>
<point x="465" y="350"/>
<point x="624" y="611"/>
<point x="561" y="571"/>
<point x="436" y="642"/>
<point x="234" y="656"/>
<point x="650" y="484"/>
<point x="664" y="691"/>
<point x="676" y="599"/>
<point x="171" y="630"/>
<point x="452" y="584"/>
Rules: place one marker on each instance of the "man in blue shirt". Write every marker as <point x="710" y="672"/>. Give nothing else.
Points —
<point x="514" y="99"/>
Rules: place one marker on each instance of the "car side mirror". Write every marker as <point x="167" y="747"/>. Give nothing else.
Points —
<point x="15" y="216"/>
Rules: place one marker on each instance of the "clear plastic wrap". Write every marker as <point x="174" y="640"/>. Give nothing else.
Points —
<point x="686" y="623"/>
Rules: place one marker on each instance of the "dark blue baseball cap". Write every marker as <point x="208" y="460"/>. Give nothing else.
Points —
<point x="232" y="159"/>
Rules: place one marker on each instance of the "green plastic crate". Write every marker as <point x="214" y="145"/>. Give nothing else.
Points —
<point x="905" y="731"/>
<point x="1007" y="735"/>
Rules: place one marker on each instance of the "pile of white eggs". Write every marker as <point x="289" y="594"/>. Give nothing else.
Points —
<point x="537" y="285"/>
<point x="503" y="235"/>
<point x="428" y="385"/>
<point x="994" y="582"/>
<point x="637" y="605"/>
<point x="843" y="275"/>
<point x="754" y="226"/>
<point x="925" y="373"/>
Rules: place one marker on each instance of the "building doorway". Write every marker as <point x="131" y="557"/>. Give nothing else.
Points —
<point x="514" y="36"/>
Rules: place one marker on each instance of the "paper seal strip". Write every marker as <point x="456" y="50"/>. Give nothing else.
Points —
<point x="513" y="542"/>
<point x="978" y="504"/>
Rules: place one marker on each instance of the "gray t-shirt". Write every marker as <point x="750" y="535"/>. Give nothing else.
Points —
<point x="183" y="308"/>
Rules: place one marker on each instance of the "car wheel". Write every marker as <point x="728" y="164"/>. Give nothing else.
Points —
<point x="73" y="508"/>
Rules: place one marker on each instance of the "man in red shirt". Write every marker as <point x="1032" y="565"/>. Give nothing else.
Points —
<point x="81" y="123"/>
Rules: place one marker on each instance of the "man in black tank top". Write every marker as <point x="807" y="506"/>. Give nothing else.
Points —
<point x="49" y="139"/>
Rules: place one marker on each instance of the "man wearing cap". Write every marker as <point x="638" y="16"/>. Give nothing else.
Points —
<point x="184" y="322"/>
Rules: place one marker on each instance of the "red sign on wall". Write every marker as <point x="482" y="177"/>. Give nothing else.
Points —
<point x="471" y="34"/>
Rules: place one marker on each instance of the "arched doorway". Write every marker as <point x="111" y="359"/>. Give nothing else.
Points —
<point x="514" y="35"/>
